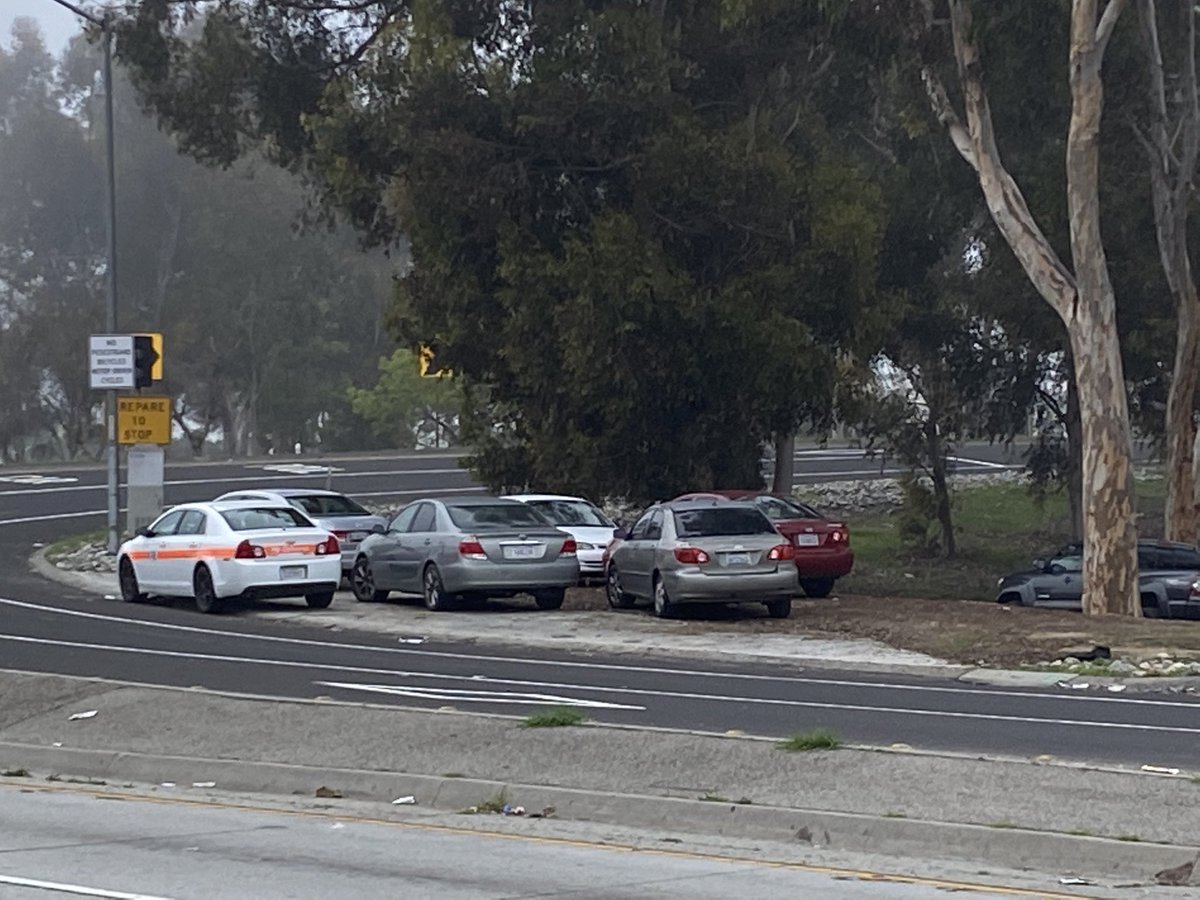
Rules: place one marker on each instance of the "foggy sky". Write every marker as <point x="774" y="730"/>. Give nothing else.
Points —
<point x="57" y="24"/>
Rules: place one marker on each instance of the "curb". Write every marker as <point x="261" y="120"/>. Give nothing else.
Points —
<point x="998" y="846"/>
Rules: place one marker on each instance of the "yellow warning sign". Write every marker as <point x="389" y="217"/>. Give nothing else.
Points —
<point x="143" y="420"/>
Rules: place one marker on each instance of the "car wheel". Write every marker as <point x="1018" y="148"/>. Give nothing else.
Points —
<point x="779" y="609"/>
<point x="436" y="599"/>
<point x="204" y="592"/>
<point x="617" y="598"/>
<point x="550" y="598"/>
<point x="129" y="583"/>
<point x="362" y="582"/>
<point x="1150" y="608"/>
<point x="663" y="608"/>
<point x="816" y="587"/>
<point x="319" y="601"/>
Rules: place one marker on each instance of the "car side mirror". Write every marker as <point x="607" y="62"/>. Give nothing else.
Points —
<point x="377" y="528"/>
<point x="1040" y="565"/>
<point x="1056" y="569"/>
<point x="621" y="534"/>
<point x="144" y="532"/>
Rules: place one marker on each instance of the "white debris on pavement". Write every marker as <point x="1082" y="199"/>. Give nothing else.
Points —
<point x="75" y="717"/>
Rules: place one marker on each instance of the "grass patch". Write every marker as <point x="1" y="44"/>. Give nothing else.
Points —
<point x="64" y="546"/>
<point x="821" y="739"/>
<point x="453" y="775"/>
<point x="558" y="717"/>
<point x="1001" y="825"/>
<point x="16" y="773"/>
<point x="894" y="815"/>
<point x="1080" y="832"/>
<point x="1129" y="838"/>
<point x="710" y="797"/>
<point x="999" y="529"/>
<point x="494" y="805"/>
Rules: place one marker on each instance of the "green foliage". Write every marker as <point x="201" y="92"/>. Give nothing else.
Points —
<point x="558" y="717"/>
<point x="406" y="409"/>
<point x="818" y="739"/>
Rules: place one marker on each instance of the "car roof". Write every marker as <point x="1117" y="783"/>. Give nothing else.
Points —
<point x="527" y="498"/>
<point x="685" y="504"/>
<point x="470" y="500"/>
<point x="303" y="492"/>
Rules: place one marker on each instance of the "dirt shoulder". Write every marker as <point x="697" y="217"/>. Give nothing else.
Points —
<point x="960" y="631"/>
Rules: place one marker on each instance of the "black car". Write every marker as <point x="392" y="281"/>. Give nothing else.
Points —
<point x="1167" y="573"/>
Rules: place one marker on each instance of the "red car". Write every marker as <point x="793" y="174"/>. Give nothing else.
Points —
<point x="823" y="552"/>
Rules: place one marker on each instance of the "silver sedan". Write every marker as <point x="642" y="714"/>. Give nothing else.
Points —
<point x="451" y="549"/>
<point x="702" y="551"/>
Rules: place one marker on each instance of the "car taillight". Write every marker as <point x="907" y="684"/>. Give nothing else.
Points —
<point x="569" y="548"/>
<point x="471" y="548"/>
<point x="247" y="550"/>
<point x="693" y="556"/>
<point x="1195" y="594"/>
<point x="782" y="551"/>
<point x="839" y="535"/>
<point x="329" y="546"/>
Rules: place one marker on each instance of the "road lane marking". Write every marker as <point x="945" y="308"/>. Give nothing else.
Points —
<point x="77" y="889"/>
<point x="609" y="667"/>
<point x="580" y="843"/>
<point x="465" y="696"/>
<point x="185" y="482"/>
<point x="712" y="698"/>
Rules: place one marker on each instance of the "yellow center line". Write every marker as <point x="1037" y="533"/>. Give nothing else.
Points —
<point x="810" y="868"/>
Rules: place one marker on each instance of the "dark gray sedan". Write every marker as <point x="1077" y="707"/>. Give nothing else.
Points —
<point x="467" y="547"/>
<point x="702" y="551"/>
<point x="1167" y="579"/>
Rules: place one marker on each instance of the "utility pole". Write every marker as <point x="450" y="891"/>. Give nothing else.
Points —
<point x="112" y="459"/>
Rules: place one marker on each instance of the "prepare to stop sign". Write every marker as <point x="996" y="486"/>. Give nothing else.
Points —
<point x="144" y="420"/>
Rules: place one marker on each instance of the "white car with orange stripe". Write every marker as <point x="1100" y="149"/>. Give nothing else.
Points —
<point x="211" y="552"/>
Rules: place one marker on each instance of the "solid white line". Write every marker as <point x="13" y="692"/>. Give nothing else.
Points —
<point x="884" y="473"/>
<point x="604" y="667"/>
<point x="238" y="479"/>
<point x="75" y="515"/>
<point x="76" y="889"/>
<point x="682" y="695"/>
<point x="980" y="462"/>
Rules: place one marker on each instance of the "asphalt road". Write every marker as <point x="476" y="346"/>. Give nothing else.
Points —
<point x="48" y="628"/>
<point x="65" y="843"/>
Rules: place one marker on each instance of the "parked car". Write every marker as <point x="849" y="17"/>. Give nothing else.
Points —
<point x="1168" y="576"/>
<point x="446" y="549"/>
<point x="823" y="552"/>
<point x="581" y="519"/>
<point x="214" y="551"/>
<point x="702" y="551"/>
<point x="349" y="522"/>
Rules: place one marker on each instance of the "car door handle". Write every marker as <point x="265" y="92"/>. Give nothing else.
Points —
<point x="428" y="541"/>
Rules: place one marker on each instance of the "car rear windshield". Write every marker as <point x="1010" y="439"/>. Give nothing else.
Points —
<point x="720" y="520"/>
<point x="482" y="518"/>
<point x="328" y="505"/>
<point x="785" y="508"/>
<point x="571" y="512"/>
<point x="252" y="517"/>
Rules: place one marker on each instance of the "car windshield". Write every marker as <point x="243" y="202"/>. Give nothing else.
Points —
<point x="485" y="517"/>
<point x="718" y="520"/>
<point x="253" y="517"/>
<point x="328" y="505"/>
<point x="785" y="508"/>
<point x="572" y="512"/>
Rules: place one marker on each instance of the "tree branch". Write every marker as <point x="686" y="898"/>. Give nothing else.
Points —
<point x="1108" y="21"/>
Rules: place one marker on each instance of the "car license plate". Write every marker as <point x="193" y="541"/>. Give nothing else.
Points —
<point x="523" y="551"/>
<point x="357" y="536"/>
<point x="807" y="540"/>
<point x="293" y="573"/>
<point x="737" y="559"/>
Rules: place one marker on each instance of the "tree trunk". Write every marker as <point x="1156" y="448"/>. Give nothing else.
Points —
<point x="785" y="463"/>
<point x="1074" y="473"/>
<point x="941" y="488"/>
<point x="1109" y="521"/>
<point x="1182" y="518"/>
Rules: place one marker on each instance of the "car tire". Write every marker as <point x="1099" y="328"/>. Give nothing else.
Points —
<point x="432" y="589"/>
<point x="130" y="590"/>
<point x="816" y="587"/>
<point x="207" y="600"/>
<point x="1150" y="609"/>
<point x="550" y="598"/>
<point x="779" y="609"/>
<point x="663" y="607"/>
<point x="362" y="582"/>
<point x="319" y="601"/>
<point x="617" y="598"/>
